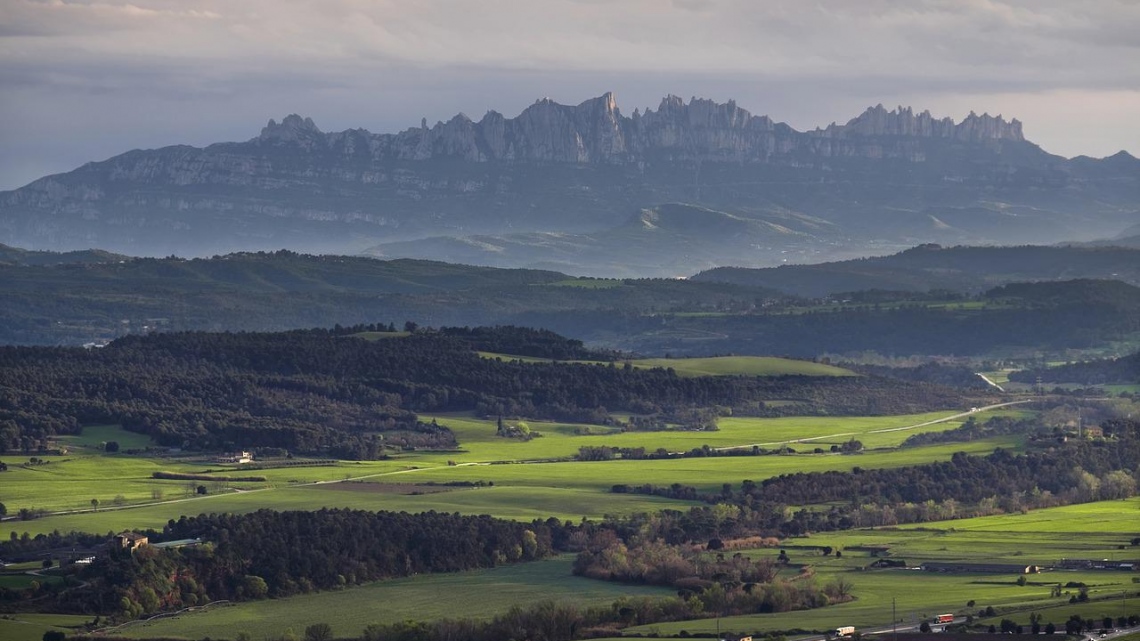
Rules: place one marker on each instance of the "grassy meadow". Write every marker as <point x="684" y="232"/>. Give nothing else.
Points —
<point x="714" y="365"/>
<point x="129" y="497"/>
<point x="525" y="480"/>
<point x="477" y="594"/>
<point x="1095" y="530"/>
<point x="1087" y="531"/>
<point x="31" y="627"/>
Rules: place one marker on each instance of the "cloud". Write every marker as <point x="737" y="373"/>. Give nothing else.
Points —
<point x="1048" y="39"/>
<point x="387" y="61"/>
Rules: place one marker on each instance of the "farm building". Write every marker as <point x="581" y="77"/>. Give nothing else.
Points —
<point x="129" y="541"/>
<point x="180" y="543"/>
<point x="1094" y="564"/>
<point x="236" y="457"/>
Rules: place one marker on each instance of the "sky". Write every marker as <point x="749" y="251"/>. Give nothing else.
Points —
<point x="86" y="80"/>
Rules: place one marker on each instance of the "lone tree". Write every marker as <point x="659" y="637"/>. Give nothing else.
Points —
<point x="95" y="504"/>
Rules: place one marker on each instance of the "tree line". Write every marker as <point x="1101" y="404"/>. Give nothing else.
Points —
<point x="1076" y="471"/>
<point x="277" y="554"/>
<point x="330" y="393"/>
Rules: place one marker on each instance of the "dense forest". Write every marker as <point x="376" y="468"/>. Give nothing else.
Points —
<point x="1024" y="318"/>
<point x="1125" y="369"/>
<point x="331" y="392"/>
<point x="275" y="554"/>
<point x="919" y="269"/>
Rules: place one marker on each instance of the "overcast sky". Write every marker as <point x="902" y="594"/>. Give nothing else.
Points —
<point x="85" y="80"/>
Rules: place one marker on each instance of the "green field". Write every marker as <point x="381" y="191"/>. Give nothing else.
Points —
<point x="477" y="594"/>
<point x="31" y="627"/>
<point x="1062" y="533"/>
<point x="526" y="480"/>
<point x="555" y="487"/>
<point x="715" y="365"/>
<point x="479" y="443"/>
<point x="1110" y="518"/>
<point x="706" y="473"/>
<point x="522" y="491"/>
<point x="520" y="503"/>
<point x="743" y="366"/>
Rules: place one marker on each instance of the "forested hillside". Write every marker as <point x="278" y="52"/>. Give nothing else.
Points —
<point x="329" y="391"/>
<point x="1125" y="369"/>
<point x="927" y="267"/>
<point x="279" y="554"/>
<point x="76" y="304"/>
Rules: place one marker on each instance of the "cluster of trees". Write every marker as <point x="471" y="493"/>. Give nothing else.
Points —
<point x="723" y="585"/>
<point x="325" y="392"/>
<point x="972" y="430"/>
<point x="1072" y="472"/>
<point x="966" y="479"/>
<point x="1125" y="369"/>
<point x="655" y="562"/>
<point x="931" y="372"/>
<point x="276" y="554"/>
<point x="524" y="341"/>
<point x="608" y="453"/>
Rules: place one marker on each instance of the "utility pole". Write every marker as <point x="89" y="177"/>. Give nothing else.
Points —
<point x="894" y="621"/>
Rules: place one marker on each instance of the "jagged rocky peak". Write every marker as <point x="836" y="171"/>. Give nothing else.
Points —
<point x="705" y="113"/>
<point x="902" y="121"/>
<point x="987" y="127"/>
<point x="292" y="128"/>
<point x="595" y="130"/>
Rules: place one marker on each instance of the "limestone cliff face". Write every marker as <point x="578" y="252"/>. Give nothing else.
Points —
<point x="595" y="131"/>
<point x="565" y="168"/>
<point x="877" y="121"/>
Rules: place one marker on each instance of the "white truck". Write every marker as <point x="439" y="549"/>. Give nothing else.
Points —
<point x="845" y="631"/>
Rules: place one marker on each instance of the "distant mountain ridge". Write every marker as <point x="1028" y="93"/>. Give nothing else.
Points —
<point x="18" y="256"/>
<point x="669" y="240"/>
<point x="595" y="131"/>
<point x="885" y="178"/>
<point x="920" y="269"/>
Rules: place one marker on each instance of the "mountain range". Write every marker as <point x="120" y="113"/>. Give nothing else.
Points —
<point x="561" y="186"/>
